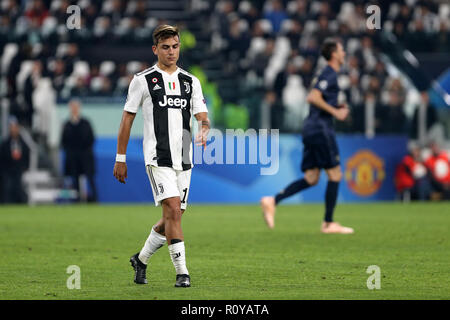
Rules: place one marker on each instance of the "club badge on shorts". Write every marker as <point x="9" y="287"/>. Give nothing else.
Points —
<point x="161" y="188"/>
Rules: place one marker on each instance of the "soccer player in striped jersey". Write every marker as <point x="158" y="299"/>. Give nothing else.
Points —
<point x="168" y="96"/>
<point x="320" y="146"/>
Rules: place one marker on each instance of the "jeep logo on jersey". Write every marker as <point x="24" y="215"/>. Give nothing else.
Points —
<point x="173" y="102"/>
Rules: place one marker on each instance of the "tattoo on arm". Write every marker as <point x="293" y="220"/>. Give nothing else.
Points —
<point x="205" y="123"/>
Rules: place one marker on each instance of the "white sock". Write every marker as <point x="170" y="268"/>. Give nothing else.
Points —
<point x="153" y="243"/>
<point x="178" y="257"/>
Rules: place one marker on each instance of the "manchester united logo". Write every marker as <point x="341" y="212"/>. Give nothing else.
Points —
<point x="364" y="173"/>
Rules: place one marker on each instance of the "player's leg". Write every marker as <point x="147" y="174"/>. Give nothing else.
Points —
<point x="172" y="219"/>
<point x="269" y="203"/>
<point x="311" y="177"/>
<point x="155" y="240"/>
<point x="163" y="185"/>
<point x="159" y="226"/>
<point x="334" y="178"/>
<point x="157" y="236"/>
<point x="177" y="251"/>
<point x="329" y="225"/>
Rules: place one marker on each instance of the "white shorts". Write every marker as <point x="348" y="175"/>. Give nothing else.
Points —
<point x="167" y="183"/>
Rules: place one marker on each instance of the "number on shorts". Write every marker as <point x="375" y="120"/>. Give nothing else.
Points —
<point x="184" y="196"/>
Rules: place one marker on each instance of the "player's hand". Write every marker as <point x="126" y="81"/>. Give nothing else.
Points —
<point x="120" y="171"/>
<point x="202" y="136"/>
<point x="342" y="112"/>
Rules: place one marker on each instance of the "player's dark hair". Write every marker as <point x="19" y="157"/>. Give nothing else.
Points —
<point x="328" y="47"/>
<point x="164" y="32"/>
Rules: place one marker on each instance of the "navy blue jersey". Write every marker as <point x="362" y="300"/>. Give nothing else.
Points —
<point x="318" y="119"/>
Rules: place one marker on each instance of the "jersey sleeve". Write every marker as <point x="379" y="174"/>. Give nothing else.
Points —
<point x="322" y="82"/>
<point x="134" y="97"/>
<point x="198" y="101"/>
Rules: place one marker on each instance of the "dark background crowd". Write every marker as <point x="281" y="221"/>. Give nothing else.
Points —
<point x="256" y="59"/>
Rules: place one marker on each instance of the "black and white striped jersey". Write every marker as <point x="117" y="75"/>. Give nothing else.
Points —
<point x="168" y="101"/>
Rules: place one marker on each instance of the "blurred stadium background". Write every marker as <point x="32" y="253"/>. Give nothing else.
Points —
<point x="255" y="60"/>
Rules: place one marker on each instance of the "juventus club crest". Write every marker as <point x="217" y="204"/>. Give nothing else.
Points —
<point x="187" y="87"/>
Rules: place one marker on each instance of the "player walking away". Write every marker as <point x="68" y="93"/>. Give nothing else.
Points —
<point x="320" y="147"/>
<point x="168" y="96"/>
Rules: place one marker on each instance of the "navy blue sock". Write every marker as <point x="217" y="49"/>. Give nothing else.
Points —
<point x="330" y="200"/>
<point x="291" y="189"/>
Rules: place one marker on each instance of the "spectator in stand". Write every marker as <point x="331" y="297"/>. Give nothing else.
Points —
<point x="103" y="30"/>
<point x="442" y="38"/>
<point x="404" y="16"/>
<point x="80" y="89"/>
<point x="78" y="142"/>
<point x="90" y="14"/>
<point x="282" y="77"/>
<point x="58" y="75"/>
<point x="61" y="12"/>
<point x="44" y="103"/>
<point x="400" y="31"/>
<point x="354" y="93"/>
<point x="294" y="34"/>
<point x="70" y="58"/>
<point x="307" y="71"/>
<point x="379" y="72"/>
<point x="115" y="11"/>
<point x="28" y="88"/>
<point x="323" y="31"/>
<point x="220" y="18"/>
<point x="344" y="32"/>
<point x="411" y="178"/>
<point x="14" y="68"/>
<point x="272" y="111"/>
<point x="301" y="11"/>
<point x="310" y="49"/>
<point x="367" y="54"/>
<point x="14" y="161"/>
<point x="140" y="11"/>
<point x="374" y="88"/>
<point x="37" y="12"/>
<point x="251" y="15"/>
<point x="262" y="59"/>
<point x="418" y="38"/>
<point x="276" y="15"/>
<point x="238" y="40"/>
<point x="438" y="163"/>
<point x="430" y="114"/>
<point x="325" y="11"/>
<point x="391" y="116"/>
<point x="356" y="19"/>
<point x="12" y="10"/>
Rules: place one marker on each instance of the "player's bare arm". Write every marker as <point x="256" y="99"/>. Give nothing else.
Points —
<point x="315" y="98"/>
<point x="120" y="168"/>
<point x="204" y="126"/>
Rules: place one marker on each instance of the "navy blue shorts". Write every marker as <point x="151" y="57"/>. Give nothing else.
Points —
<point x="320" y="151"/>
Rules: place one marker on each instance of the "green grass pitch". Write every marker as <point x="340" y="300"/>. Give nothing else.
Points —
<point x="230" y="252"/>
